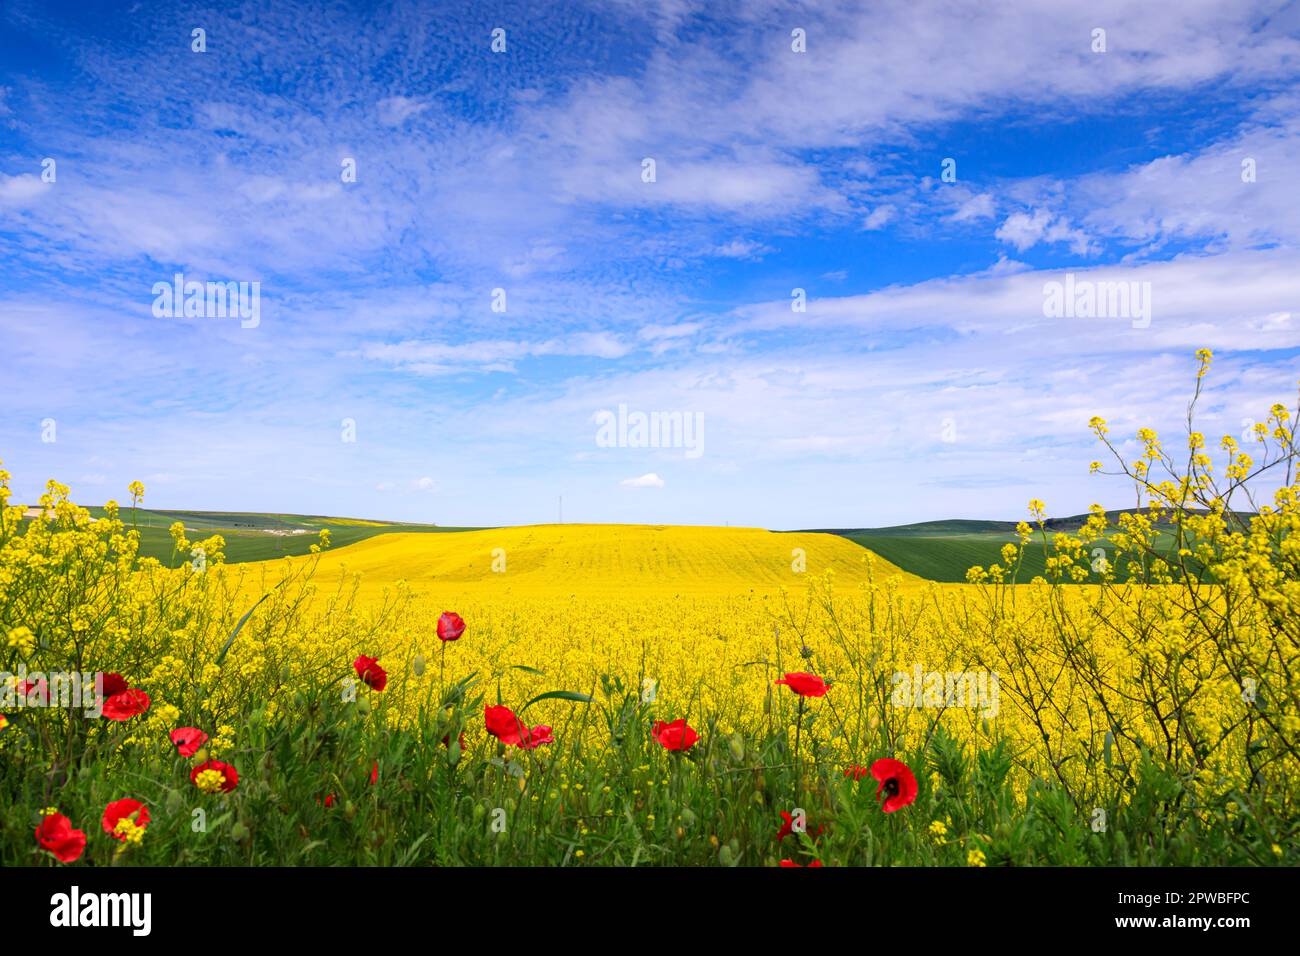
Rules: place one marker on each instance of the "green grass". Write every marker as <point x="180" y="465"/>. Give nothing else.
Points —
<point x="626" y="802"/>
<point x="253" y="536"/>
<point x="945" y="550"/>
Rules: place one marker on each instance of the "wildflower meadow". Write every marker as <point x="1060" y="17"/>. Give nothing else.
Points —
<point x="1138" y="709"/>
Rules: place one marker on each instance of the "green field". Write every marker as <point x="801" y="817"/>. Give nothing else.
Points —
<point x="253" y="536"/>
<point x="946" y="550"/>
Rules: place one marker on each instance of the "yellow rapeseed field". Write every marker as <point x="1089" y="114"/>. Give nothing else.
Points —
<point x="597" y="561"/>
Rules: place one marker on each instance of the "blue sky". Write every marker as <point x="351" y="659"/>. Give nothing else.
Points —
<point x="923" y="381"/>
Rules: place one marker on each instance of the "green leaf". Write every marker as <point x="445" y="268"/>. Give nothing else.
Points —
<point x="409" y="855"/>
<point x="530" y="670"/>
<point x="559" y="695"/>
<point x="225" y="648"/>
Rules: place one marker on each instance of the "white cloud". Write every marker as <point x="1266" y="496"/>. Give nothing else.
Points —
<point x="21" y="189"/>
<point x="650" y="480"/>
<point x="977" y="207"/>
<point x="396" y="110"/>
<point x="879" y="218"/>
<point x="1025" y="230"/>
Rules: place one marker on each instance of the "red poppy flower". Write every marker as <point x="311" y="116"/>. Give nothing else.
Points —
<point x="4" y="722"/>
<point x="329" y="800"/>
<point x="115" y="684"/>
<point x="788" y="827"/>
<point x="450" y="626"/>
<point x="126" y="807"/>
<point x="805" y="685"/>
<point x="897" y="784"/>
<point x="446" y="741"/>
<point x="56" y="835"/>
<point x="374" y="774"/>
<point x="502" y="724"/>
<point x="188" y="740"/>
<point x="211" y="784"/>
<point x="677" y="735"/>
<point x="370" y="672"/>
<point x="791" y="863"/>
<point x="856" y="772"/>
<point x="128" y="704"/>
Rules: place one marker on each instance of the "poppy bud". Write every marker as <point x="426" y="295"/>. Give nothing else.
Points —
<point x="688" y="817"/>
<point x="349" y="809"/>
<point x="363" y="706"/>
<point x="737" y="745"/>
<point x="175" y="802"/>
<point x="417" y="665"/>
<point x="298" y="699"/>
<point x="285" y="674"/>
<point x="726" y="857"/>
<point x="201" y="755"/>
<point x="239" y="833"/>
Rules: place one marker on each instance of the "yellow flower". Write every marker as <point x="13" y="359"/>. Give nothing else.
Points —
<point x="21" y="639"/>
<point x="210" y="781"/>
<point x="129" y="831"/>
<point x="975" y="858"/>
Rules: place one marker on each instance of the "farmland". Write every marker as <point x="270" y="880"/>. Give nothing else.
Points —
<point x="576" y="695"/>
<point x="252" y="536"/>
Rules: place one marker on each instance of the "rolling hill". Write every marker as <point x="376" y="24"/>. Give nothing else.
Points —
<point x="600" y="560"/>
<point x="946" y="550"/>
<point x="252" y="536"/>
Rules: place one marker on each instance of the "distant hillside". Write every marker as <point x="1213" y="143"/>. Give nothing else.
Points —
<point x="252" y="536"/>
<point x="946" y="550"/>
